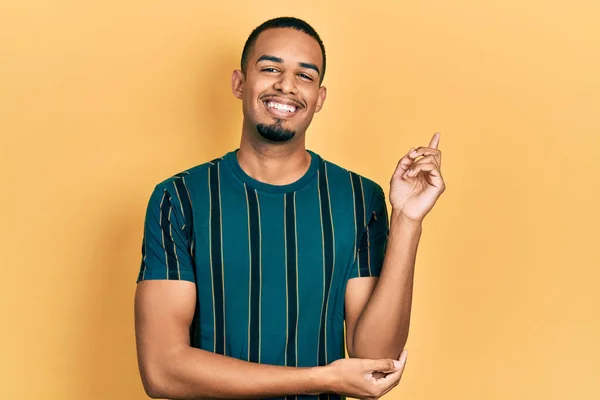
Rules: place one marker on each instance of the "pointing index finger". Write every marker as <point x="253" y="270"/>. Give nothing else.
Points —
<point x="435" y="140"/>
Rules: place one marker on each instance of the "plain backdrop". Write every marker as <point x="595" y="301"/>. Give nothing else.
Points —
<point x="99" y="101"/>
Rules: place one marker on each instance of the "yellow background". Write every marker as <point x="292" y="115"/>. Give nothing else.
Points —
<point x="101" y="100"/>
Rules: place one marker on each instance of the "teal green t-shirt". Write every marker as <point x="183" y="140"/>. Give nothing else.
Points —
<point x="270" y="263"/>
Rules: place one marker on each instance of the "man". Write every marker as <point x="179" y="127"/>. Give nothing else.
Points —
<point x="253" y="262"/>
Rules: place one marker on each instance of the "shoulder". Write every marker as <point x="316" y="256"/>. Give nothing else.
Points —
<point x="190" y="173"/>
<point x="181" y="181"/>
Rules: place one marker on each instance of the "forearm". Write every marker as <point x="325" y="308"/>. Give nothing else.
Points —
<point x="199" y="374"/>
<point x="382" y="328"/>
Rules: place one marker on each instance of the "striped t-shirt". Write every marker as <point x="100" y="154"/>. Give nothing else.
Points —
<point x="270" y="263"/>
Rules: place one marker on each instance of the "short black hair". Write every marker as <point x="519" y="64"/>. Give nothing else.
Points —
<point x="281" y="22"/>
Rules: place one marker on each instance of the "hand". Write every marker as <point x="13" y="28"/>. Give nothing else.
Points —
<point x="356" y="377"/>
<point x="416" y="185"/>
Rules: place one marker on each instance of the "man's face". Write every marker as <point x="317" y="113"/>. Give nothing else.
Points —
<point x="280" y="91"/>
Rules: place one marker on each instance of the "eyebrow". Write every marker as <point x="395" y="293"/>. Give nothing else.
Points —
<point x="278" y="60"/>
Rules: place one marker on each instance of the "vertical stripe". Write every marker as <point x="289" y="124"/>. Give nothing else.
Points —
<point x="178" y="276"/>
<point x="359" y="215"/>
<point x="260" y="279"/>
<point x="186" y="207"/>
<point x="167" y="239"/>
<point x="354" y="207"/>
<point x="367" y="228"/>
<point x="216" y="260"/>
<point x="142" y="274"/>
<point x="162" y="232"/>
<point x="287" y="289"/>
<point x="328" y="258"/>
<point x="319" y="345"/>
<point x="362" y="237"/>
<point x="185" y="203"/>
<point x="222" y="262"/>
<point x="291" y="282"/>
<point x="255" y="275"/>
<point x="297" y="291"/>
<point x="291" y="278"/>
<point x="191" y="228"/>
<point x="250" y="267"/>
<point x="332" y="256"/>
<point x="212" y="279"/>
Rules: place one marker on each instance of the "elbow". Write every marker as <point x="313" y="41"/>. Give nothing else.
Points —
<point x="153" y="388"/>
<point x="154" y="393"/>
<point x="154" y="382"/>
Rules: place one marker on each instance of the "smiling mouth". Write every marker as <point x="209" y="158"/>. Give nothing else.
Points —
<point x="281" y="107"/>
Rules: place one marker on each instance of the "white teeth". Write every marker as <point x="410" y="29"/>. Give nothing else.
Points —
<point x="282" y="107"/>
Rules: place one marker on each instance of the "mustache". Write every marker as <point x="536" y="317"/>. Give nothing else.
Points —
<point x="290" y="99"/>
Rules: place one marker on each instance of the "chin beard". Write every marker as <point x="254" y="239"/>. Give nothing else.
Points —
<point x="275" y="132"/>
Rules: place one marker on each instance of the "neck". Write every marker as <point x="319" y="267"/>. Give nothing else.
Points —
<point x="273" y="163"/>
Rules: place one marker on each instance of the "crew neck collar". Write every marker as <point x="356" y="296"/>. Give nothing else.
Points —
<point x="232" y="161"/>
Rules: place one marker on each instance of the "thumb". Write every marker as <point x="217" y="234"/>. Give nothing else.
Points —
<point x="385" y="365"/>
<point x="403" y="355"/>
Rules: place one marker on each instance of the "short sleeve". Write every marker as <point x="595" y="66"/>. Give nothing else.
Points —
<point x="165" y="246"/>
<point x="371" y="246"/>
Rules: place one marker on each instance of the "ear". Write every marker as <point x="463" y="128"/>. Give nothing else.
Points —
<point x="237" y="83"/>
<point x="321" y="99"/>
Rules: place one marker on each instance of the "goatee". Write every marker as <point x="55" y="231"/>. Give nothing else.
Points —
<point x="275" y="132"/>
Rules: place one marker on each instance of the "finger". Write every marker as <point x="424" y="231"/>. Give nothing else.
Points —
<point x="435" y="140"/>
<point x="425" y="160"/>
<point x="430" y="168"/>
<point x="393" y="385"/>
<point x="388" y="366"/>
<point x="428" y="159"/>
<point x="383" y="365"/>
<point x="404" y="163"/>
<point x="425" y="151"/>
<point x="391" y="380"/>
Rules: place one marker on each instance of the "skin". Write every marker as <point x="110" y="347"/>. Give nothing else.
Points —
<point x="171" y="368"/>
<point x="267" y="161"/>
<point x="378" y="311"/>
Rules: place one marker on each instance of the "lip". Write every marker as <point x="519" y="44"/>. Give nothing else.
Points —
<point x="283" y="100"/>
<point x="281" y="113"/>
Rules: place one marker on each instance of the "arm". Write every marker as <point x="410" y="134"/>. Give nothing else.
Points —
<point x="165" y="302"/>
<point x="379" y="314"/>
<point x="378" y="310"/>
<point x="170" y="368"/>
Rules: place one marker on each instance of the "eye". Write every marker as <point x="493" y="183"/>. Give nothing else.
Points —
<point x="304" y="76"/>
<point x="269" y="69"/>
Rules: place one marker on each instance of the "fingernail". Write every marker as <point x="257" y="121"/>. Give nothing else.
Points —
<point x="397" y="364"/>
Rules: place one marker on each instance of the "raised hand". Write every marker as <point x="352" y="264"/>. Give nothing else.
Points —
<point x="417" y="184"/>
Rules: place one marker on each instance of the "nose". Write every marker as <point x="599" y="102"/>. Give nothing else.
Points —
<point x="286" y="84"/>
